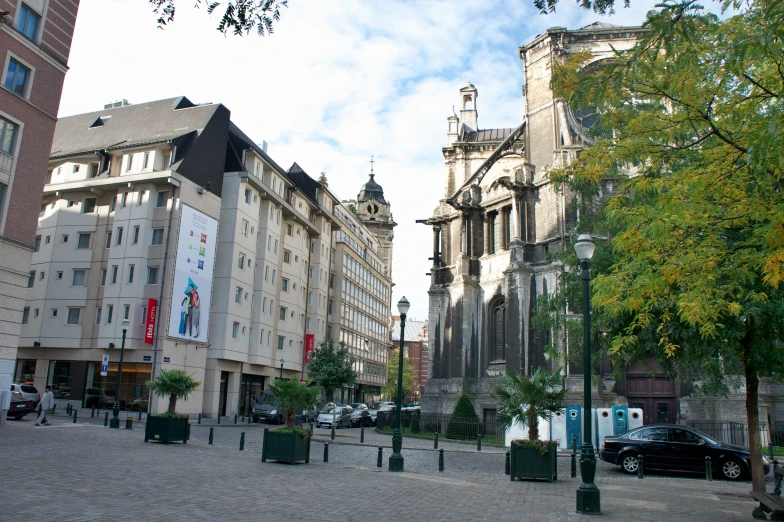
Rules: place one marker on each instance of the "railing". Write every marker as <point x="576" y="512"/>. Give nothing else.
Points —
<point x="730" y="432"/>
<point x="6" y="162"/>
<point x="451" y="428"/>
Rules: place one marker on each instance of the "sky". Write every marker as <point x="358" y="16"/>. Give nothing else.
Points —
<point x="336" y="83"/>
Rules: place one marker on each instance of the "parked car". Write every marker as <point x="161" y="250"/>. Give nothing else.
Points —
<point x="342" y="417"/>
<point x="676" y="448"/>
<point x="266" y="412"/>
<point x="358" y="406"/>
<point x="309" y="415"/>
<point x="384" y="405"/>
<point x="141" y="404"/>
<point x="360" y="417"/>
<point x="92" y="398"/>
<point x="19" y="408"/>
<point x="373" y="414"/>
<point x="25" y="392"/>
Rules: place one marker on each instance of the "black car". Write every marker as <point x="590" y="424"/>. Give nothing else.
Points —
<point x="269" y="413"/>
<point x="677" y="448"/>
<point x="19" y="409"/>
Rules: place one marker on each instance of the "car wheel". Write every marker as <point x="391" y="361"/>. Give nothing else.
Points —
<point x="18" y="417"/>
<point x="630" y="464"/>
<point x="732" y="469"/>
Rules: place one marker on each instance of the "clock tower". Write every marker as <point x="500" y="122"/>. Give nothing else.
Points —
<point x="375" y="212"/>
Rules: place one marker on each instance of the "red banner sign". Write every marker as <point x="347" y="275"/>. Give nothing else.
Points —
<point x="149" y="325"/>
<point x="310" y="340"/>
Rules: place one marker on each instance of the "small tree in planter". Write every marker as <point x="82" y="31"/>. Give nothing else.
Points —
<point x="170" y="426"/>
<point x="289" y="443"/>
<point x="526" y="400"/>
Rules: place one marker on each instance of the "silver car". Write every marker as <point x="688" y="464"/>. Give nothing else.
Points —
<point x="26" y="392"/>
<point x="342" y="416"/>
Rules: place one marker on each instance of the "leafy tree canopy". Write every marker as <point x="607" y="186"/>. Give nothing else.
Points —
<point x="332" y="367"/>
<point x="409" y="376"/>
<point x="240" y="16"/>
<point x="696" y="143"/>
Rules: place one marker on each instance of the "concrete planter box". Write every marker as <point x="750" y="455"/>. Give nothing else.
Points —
<point x="285" y="447"/>
<point x="167" y="429"/>
<point x="527" y="463"/>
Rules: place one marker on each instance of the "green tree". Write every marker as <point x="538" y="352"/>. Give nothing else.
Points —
<point x="174" y="384"/>
<point x="293" y="396"/>
<point x="239" y="18"/>
<point x="528" y="399"/>
<point x="332" y="367"/>
<point x="699" y="249"/>
<point x="464" y="422"/>
<point x="409" y="376"/>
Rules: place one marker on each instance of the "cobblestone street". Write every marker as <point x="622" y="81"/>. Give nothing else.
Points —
<point x="85" y="472"/>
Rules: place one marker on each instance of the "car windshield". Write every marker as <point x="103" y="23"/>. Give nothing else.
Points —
<point x="29" y="389"/>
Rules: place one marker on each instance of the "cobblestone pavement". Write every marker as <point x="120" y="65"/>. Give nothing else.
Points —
<point x="84" y="472"/>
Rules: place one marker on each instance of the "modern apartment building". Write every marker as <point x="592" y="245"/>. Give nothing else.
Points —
<point x="163" y="220"/>
<point x="35" y="41"/>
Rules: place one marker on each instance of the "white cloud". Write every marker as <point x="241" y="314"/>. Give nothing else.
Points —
<point x="336" y="82"/>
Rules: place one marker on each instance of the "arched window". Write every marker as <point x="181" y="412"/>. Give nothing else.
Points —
<point x="497" y="338"/>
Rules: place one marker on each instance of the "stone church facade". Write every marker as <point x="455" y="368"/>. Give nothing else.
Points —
<point x="499" y="218"/>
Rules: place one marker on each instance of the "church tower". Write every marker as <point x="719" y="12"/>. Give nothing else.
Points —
<point x="375" y="212"/>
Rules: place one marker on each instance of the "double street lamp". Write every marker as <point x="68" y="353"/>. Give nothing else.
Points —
<point x="396" y="459"/>
<point x="588" y="499"/>
<point x="115" y="421"/>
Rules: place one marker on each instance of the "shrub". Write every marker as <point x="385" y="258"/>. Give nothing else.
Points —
<point x="464" y="423"/>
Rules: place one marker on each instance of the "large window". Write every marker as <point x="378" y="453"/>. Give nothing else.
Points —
<point x="16" y="77"/>
<point x="152" y="275"/>
<point x="7" y="136"/>
<point x="157" y="236"/>
<point x="83" y="240"/>
<point x="79" y="277"/>
<point x="28" y="22"/>
<point x="497" y="340"/>
<point x="74" y="315"/>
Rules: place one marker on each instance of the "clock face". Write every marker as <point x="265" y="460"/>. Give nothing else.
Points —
<point x="372" y="208"/>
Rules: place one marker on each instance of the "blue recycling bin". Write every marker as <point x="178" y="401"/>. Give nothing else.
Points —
<point x="620" y="416"/>
<point x="574" y="425"/>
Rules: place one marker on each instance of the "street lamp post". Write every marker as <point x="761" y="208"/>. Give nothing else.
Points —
<point x="281" y="367"/>
<point x="396" y="459"/>
<point x="588" y="498"/>
<point x="115" y="421"/>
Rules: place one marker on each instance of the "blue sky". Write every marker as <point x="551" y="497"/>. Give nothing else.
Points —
<point x="335" y="83"/>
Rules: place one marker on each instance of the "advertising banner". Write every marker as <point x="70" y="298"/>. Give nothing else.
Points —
<point x="149" y="325"/>
<point x="193" y="268"/>
<point x="309" y="342"/>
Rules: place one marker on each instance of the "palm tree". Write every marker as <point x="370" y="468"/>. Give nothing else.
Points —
<point x="174" y="384"/>
<point x="528" y="399"/>
<point x="292" y="396"/>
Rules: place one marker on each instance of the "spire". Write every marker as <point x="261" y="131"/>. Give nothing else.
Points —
<point x="371" y="166"/>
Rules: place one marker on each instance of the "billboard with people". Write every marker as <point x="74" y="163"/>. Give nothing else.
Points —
<point x="193" y="268"/>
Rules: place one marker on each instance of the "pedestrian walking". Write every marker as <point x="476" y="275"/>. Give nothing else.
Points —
<point x="47" y="402"/>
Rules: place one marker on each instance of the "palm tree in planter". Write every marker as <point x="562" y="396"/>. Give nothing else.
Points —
<point x="170" y="426"/>
<point x="290" y="443"/>
<point x="525" y="400"/>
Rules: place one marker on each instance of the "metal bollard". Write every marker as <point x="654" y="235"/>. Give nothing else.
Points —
<point x="435" y="440"/>
<point x="708" y="470"/>
<point x="250" y="419"/>
<point x="128" y="423"/>
<point x="92" y="413"/>
<point x="219" y="418"/>
<point x="574" y="464"/>
<point x="362" y="435"/>
<point x="640" y="470"/>
<point x="140" y="415"/>
<point x="242" y="441"/>
<point x="479" y="442"/>
<point x="326" y="452"/>
<point x="379" y="461"/>
<point x="199" y="422"/>
<point x="332" y="436"/>
<point x="209" y="441"/>
<point x="440" y="460"/>
<point x="106" y="419"/>
<point x="235" y="418"/>
<point x="507" y="465"/>
<point x="68" y="409"/>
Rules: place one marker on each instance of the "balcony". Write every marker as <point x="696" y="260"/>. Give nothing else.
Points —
<point x="6" y="163"/>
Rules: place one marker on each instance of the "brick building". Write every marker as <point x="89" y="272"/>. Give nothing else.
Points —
<point x="415" y="348"/>
<point x="35" y="41"/>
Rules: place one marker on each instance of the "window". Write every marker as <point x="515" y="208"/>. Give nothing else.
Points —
<point x="655" y="434"/>
<point x="264" y="305"/>
<point x="162" y="199"/>
<point x="157" y="236"/>
<point x="54" y="312"/>
<point x="142" y="193"/>
<point x="98" y="315"/>
<point x="287" y="256"/>
<point x="109" y="313"/>
<point x="244" y="229"/>
<point x="89" y="205"/>
<point x="129" y="163"/>
<point x="31" y="280"/>
<point x="497" y="344"/>
<point x="119" y="235"/>
<point x="281" y="340"/>
<point x="266" y="273"/>
<point x="16" y="77"/>
<point x="238" y="295"/>
<point x="241" y="262"/>
<point x="127" y="312"/>
<point x="92" y="171"/>
<point x="273" y="275"/>
<point x="329" y="307"/>
<point x="76" y="168"/>
<point x="25" y="315"/>
<point x="113" y="204"/>
<point x="247" y="196"/>
<point x="146" y="160"/>
<point x="289" y="228"/>
<point x="42" y="276"/>
<point x="64" y="238"/>
<point x="48" y="240"/>
<point x="114" y="274"/>
<point x="276" y="246"/>
<point x="131" y="269"/>
<point x="152" y="275"/>
<point x="7" y="140"/>
<point x="73" y="316"/>
<point x="143" y="319"/>
<point x="166" y="161"/>
<point x="103" y="277"/>
<point x="283" y="311"/>
<point x="79" y="277"/>
<point x="284" y="284"/>
<point x="28" y="21"/>
<point x="83" y="240"/>
<point x="109" y="239"/>
<point x="59" y="274"/>
<point x="37" y="244"/>
<point x="235" y="330"/>
<point x="71" y="203"/>
<point x="135" y="235"/>
<point x="124" y="201"/>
